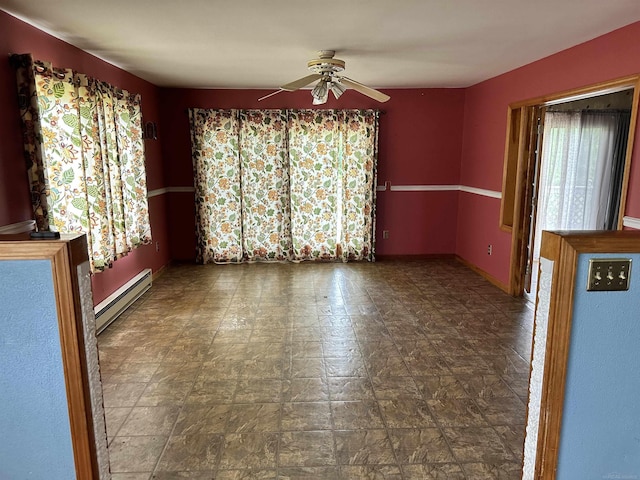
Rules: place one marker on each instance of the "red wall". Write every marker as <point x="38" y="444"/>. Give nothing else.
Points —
<point x="611" y="56"/>
<point x="18" y="37"/>
<point x="427" y="137"/>
<point x="420" y="141"/>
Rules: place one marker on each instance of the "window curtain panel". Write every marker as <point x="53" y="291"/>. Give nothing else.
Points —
<point x="315" y="150"/>
<point x="85" y="153"/>
<point x="216" y="164"/>
<point x="275" y="185"/>
<point x="266" y="226"/>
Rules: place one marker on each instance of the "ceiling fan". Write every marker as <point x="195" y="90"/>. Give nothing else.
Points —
<point x="325" y="69"/>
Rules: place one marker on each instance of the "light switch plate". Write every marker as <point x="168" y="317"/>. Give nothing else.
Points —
<point x="609" y="274"/>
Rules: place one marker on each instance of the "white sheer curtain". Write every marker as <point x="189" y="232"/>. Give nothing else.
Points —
<point x="575" y="177"/>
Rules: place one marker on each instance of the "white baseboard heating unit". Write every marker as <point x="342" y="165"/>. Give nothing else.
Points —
<point x="116" y="303"/>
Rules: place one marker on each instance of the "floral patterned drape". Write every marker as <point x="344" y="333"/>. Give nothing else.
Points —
<point x="83" y="141"/>
<point x="266" y="225"/>
<point x="216" y="164"/>
<point x="278" y="184"/>
<point x="315" y="150"/>
<point x="360" y="134"/>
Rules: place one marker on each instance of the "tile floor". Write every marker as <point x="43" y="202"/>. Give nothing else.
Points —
<point x="390" y="370"/>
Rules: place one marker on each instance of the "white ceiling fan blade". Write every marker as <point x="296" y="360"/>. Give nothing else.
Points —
<point x="301" y="82"/>
<point x="271" y="94"/>
<point x="363" y="89"/>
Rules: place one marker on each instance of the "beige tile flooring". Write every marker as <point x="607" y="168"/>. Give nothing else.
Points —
<point x="390" y="370"/>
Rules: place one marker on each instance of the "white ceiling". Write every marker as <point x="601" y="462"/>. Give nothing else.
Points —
<point x="266" y="43"/>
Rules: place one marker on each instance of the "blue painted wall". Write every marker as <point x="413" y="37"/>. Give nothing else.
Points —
<point x="35" y="439"/>
<point x="600" y="437"/>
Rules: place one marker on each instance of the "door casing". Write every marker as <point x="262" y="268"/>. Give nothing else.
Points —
<point x="519" y="166"/>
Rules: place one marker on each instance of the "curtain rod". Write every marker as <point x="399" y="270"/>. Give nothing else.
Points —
<point x="590" y="110"/>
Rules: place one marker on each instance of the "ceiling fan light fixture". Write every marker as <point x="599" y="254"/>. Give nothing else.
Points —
<point x="320" y="92"/>
<point x="325" y="69"/>
<point x="337" y="89"/>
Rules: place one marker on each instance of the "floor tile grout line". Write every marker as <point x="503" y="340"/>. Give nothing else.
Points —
<point x="181" y="409"/>
<point x="388" y="433"/>
<point x="344" y="284"/>
<point x="433" y="417"/>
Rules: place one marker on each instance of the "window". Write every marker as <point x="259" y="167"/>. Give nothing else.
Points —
<point x="284" y="184"/>
<point x="83" y="141"/>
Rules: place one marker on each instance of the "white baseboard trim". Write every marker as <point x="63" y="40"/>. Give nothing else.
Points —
<point x="157" y="191"/>
<point x="446" y="188"/>
<point x="481" y="191"/>
<point x="380" y="188"/>
<point x="20" y="227"/>
<point x="165" y="190"/>
<point x="631" y="222"/>
<point x="424" y="188"/>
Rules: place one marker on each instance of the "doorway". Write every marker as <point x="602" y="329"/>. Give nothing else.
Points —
<point x="581" y="153"/>
<point x="559" y="153"/>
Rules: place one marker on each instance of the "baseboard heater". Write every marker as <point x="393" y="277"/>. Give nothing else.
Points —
<point x="116" y="303"/>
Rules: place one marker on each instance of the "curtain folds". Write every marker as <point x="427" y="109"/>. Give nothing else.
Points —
<point x="85" y="153"/>
<point x="316" y="169"/>
<point x="582" y="166"/>
<point x="266" y="220"/>
<point x="275" y="185"/>
<point x="621" y="137"/>
<point x="216" y="163"/>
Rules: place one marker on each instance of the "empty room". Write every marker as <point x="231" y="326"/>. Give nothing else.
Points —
<point x="305" y="241"/>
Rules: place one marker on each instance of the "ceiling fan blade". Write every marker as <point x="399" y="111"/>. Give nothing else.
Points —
<point x="271" y="94"/>
<point x="363" y="89"/>
<point x="301" y="82"/>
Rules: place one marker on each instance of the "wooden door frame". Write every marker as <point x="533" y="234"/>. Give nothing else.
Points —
<point x="515" y="205"/>
<point x="563" y="249"/>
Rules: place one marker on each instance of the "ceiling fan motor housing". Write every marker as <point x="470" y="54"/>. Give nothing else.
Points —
<point x="325" y="63"/>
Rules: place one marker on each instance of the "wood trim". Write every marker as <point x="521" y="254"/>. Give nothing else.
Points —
<point x="616" y="241"/>
<point x="617" y="84"/>
<point x="158" y="273"/>
<point x="507" y="204"/>
<point x="516" y="280"/>
<point x="65" y="255"/>
<point x="564" y="248"/>
<point x="490" y="278"/>
<point x="629" y="154"/>
<point x="78" y="249"/>
<point x="70" y="342"/>
<point x="633" y="81"/>
<point x="557" y="351"/>
<point x="409" y="258"/>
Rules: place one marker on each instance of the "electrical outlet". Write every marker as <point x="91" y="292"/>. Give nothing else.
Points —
<point x="489" y="249"/>
<point x="385" y="234"/>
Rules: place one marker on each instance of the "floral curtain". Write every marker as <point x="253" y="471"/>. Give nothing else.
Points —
<point x="315" y="150"/>
<point x="85" y="153"/>
<point x="360" y="134"/>
<point x="266" y="226"/>
<point x="216" y="164"/>
<point x="284" y="184"/>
